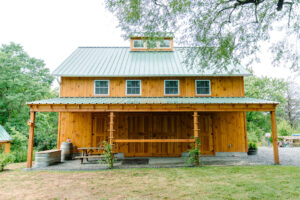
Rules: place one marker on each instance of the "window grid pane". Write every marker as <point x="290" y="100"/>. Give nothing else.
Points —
<point x="101" y="87"/>
<point x="165" y="44"/>
<point x="203" y="87"/>
<point x="171" y="87"/>
<point x="133" y="87"/>
<point x="138" y="43"/>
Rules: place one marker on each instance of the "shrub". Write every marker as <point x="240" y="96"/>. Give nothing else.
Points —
<point x="252" y="146"/>
<point x="194" y="153"/>
<point x="108" y="154"/>
<point x="284" y="128"/>
<point x="5" y="159"/>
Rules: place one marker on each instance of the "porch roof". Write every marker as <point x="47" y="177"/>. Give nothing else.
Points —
<point x="4" y="136"/>
<point x="151" y="100"/>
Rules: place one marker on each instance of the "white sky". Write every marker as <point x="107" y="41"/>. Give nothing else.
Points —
<point x="52" y="29"/>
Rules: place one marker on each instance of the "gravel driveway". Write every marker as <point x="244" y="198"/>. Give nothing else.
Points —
<point x="287" y="156"/>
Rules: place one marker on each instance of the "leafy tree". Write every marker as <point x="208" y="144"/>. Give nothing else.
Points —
<point x="220" y="32"/>
<point x="23" y="79"/>
<point x="293" y="104"/>
<point x="259" y="123"/>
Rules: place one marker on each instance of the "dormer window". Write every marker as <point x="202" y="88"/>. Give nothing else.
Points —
<point x="165" y="44"/>
<point x="151" y="44"/>
<point x="138" y="44"/>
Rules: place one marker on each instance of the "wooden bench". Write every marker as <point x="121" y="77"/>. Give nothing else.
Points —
<point x="87" y="157"/>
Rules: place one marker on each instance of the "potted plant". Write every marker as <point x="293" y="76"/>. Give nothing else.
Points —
<point x="252" y="148"/>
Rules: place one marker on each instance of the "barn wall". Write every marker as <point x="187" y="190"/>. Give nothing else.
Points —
<point x="152" y="87"/>
<point x="77" y="127"/>
<point x="229" y="130"/>
<point x="227" y="127"/>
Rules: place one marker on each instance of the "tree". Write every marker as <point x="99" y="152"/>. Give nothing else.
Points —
<point x="22" y="79"/>
<point x="219" y="32"/>
<point x="293" y="104"/>
<point x="271" y="89"/>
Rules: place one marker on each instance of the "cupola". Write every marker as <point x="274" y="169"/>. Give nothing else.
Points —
<point x="153" y="43"/>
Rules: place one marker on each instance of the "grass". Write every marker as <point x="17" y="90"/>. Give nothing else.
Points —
<point x="253" y="182"/>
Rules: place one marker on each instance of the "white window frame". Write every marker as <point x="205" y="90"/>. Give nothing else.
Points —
<point x="164" y="47"/>
<point x="133" y="94"/>
<point x="209" y="87"/>
<point x="138" y="47"/>
<point x="95" y="88"/>
<point x="165" y="88"/>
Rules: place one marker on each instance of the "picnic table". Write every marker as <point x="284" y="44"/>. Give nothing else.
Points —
<point x="87" y="153"/>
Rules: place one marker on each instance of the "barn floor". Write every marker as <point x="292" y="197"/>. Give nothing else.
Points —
<point x="288" y="156"/>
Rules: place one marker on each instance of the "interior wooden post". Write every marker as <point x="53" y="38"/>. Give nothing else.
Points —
<point x="196" y="133"/>
<point x="274" y="136"/>
<point x="7" y="147"/>
<point x="31" y="124"/>
<point x="111" y="128"/>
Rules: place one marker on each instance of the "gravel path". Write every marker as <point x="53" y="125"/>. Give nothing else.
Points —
<point x="287" y="156"/>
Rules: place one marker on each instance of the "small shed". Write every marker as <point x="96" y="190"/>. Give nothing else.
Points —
<point x="5" y="139"/>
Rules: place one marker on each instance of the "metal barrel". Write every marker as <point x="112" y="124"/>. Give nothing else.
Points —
<point x="66" y="151"/>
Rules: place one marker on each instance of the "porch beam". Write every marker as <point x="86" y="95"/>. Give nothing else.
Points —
<point x="111" y="128"/>
<point x="31" y="124"/>
<point x="151" y="107"/>
<point x="275" y="139"/>
<point x="196" y="126"/>
<point x="196" y="134"/>
<point x="7" y="147"/>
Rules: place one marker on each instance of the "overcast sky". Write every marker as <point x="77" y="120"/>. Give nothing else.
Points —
<point x="52" y="29"/>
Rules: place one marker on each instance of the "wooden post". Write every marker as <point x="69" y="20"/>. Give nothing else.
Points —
<point x="274" y="136"/>
<point x="7" y="147"/>
<point x="111" y="128"/>
<point x="31" y="124"/>
<point x="196" y="133"/>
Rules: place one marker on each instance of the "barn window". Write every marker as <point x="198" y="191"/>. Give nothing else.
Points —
<point x="171" y="87"/>
<point x="203" y="87"/>
<point x="165" y="44"/>
<point x="138" y="44"/>
<point x="151" y="44"/>
<point x="101" y="87"/>
<point x="133" y="87"/>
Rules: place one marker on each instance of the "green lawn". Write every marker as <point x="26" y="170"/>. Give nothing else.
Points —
<point x="256" y="182"/>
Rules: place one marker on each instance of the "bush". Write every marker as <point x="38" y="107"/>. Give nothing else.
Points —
<point x="19" y="146"/>
<point x="252" y="146"/>
<point x="194" y="153"/>
<point x="5" y="159"/>
<point x="284" y="128"/>
<point x="108" y="155"/>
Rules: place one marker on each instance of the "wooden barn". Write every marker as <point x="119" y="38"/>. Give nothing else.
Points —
<point x="146" y="102"/>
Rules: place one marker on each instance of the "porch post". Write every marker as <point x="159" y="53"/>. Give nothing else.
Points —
<point x="31" y="124"/>
<point x="196" y="133"/>
<point x="7" y="147"/>
<point x="274" y="136"/>
<point x="111" y="128"/>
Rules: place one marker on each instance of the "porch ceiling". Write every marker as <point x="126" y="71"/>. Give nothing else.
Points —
<point x="152" y="104"/>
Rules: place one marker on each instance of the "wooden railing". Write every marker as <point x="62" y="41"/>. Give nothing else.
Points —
<point x="152" y="140"/>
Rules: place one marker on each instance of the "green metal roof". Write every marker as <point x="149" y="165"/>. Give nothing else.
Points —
<point x="121" y="62"/>
<point x="153" y="100"/>
<point x="4" y="136"/>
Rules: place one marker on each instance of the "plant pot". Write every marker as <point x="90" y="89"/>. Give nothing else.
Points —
<point x="252" y="152"/>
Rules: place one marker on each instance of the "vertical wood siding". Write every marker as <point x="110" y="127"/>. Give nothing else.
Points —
<point x="217" y="131"/>
<point x="152" y="87"/>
